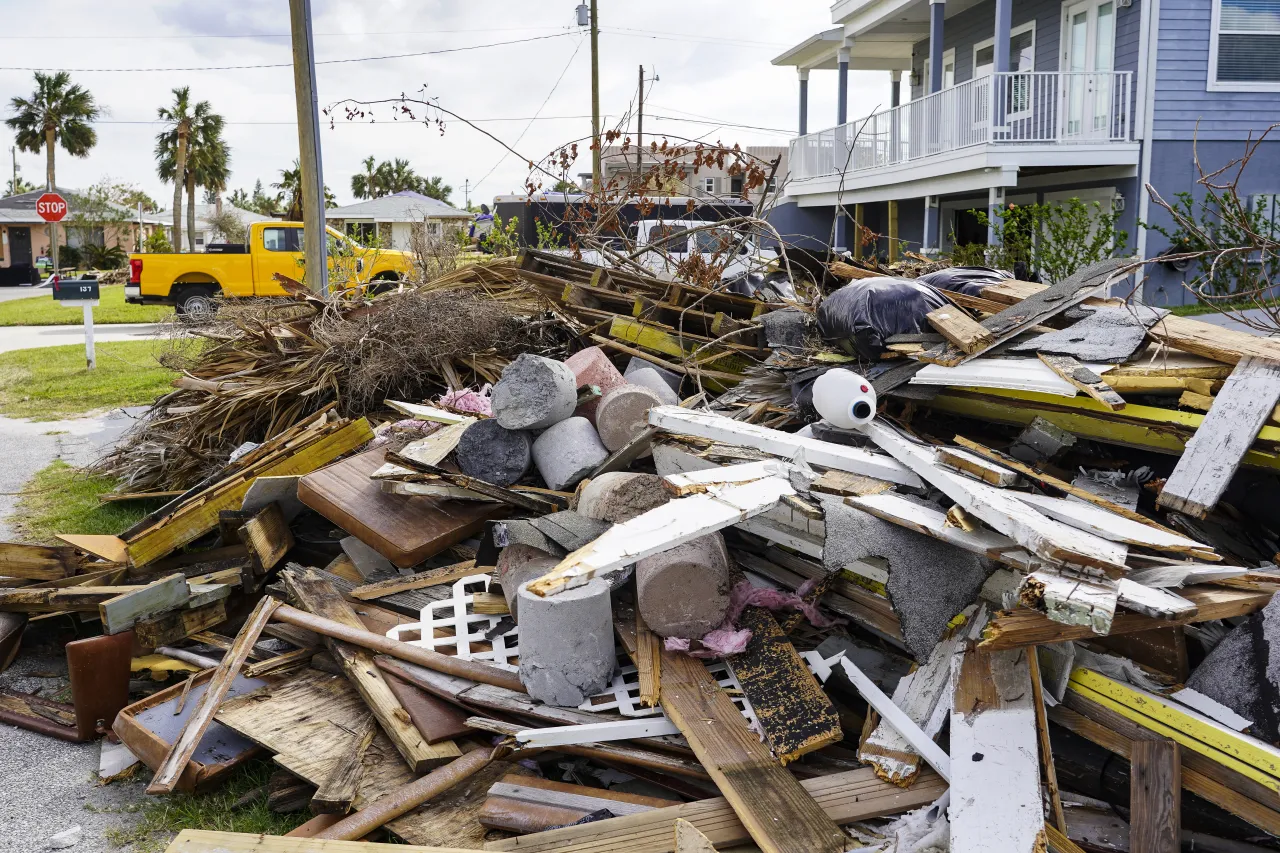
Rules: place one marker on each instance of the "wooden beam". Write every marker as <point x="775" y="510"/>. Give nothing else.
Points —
<point x="38" y="562"/>
<point x="1116" y="527"/>
<point x="1084" y="379"/>
<point x="1155" y="797"/>
<point x="267" y="537"/>
<point x="963" y="332"/>
<point x="422" y="580"/>
<point x="184" y="746"/>
<point x="777" y="812"/>
<point x="976" y="466"/>
<point x="1213" y="454"/>
<point x="208" y="841"/>
<point x="128" y="609"/>
<point x="1225" y="345"/>
<point x="319" y="597"/>
<point x="1046" y="747"/>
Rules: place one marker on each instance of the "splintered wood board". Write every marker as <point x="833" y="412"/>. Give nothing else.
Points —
<point x="38" y="562"/>
<point x="207" y="841"/>
<point x="1225" y="345"/>
<point x="1213" y="454"/>
<point x="793" y="711"/>
<point x="404" y="529"/>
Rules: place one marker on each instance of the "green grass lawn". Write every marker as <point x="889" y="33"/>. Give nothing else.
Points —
<point x="52" y="382"/>
<point x="44" y="311"/>
<point x="64" y="499"/>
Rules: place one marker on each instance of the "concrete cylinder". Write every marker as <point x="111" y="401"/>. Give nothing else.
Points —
<point x="624" y="414"/>
<point x="566" y="643"/>
<point x="592" y="367"/>
<point x="684" y="592"/>
<point x="672" y="378"/>
<point x="649" y="378"/>
<point x="621" y="496"/>
<point x="517" y="565"/>
<point x="567" y="452"/>
<point x="491" y="452"/>
<point x="534" y="393"/>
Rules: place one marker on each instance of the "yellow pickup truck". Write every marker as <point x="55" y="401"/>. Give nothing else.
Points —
<point x="191" y="281"/>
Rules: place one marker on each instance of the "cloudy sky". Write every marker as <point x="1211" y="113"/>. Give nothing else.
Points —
<point x="711" y="58"/>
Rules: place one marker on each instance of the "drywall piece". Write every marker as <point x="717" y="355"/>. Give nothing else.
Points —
<point x="1121" y="493"/>
<point x="623" y="414"/>
<point x="567" y="452"/>
<point x="1213" y="454"/>
<point x="596" y="732"/>
<point x="670" y="377"/>
<point x="592" y="367"/>
<point x="534" y="393"/>
<point x="566" y="643"/>
<point x="1017" y="374"/>
<point x="489" y="451"/>
<point x="621" y="496"/>
<point x="995" y="774"/>
<point x="283" y="490"/>
<point x="665" y="527"/>
<point x="1117" y="528"/>
<point x="371" y="565"/>
<point x="1153" y="602"/>
<point x="1107" y="335"/>
<point x="1041" y="440"/>
<point x="975" y="466"/>
<point x="1072" y="600"/>
<point x="1243" y="671"/>
<point x="854" y="460"/>
<point x="898" y="719"/>
<point x="1041" y="535"/>
<point x="431" y="450"/>
<point x="930" y="581"/>
<point x="684" y="591"/>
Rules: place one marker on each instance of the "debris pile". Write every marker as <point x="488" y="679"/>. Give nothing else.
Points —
<point x="651" y="567"/>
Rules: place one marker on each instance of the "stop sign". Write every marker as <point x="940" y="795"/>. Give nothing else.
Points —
<point x="51" y="207"/>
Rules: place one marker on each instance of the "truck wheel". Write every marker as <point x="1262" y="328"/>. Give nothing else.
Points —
<point x="195" y="302"/>
<point x="383" y="283"/>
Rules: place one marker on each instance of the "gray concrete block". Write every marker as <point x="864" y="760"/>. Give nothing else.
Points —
<point x="534" y="393"/>
<point x="624" y="413"/>
<point x="566" y="643"/>
<point x="567" y="452"/>
<point x="621" y="496"/>
<point x="651" y="379"/>
<point x="1243" y="672"/>
<point x="491" y="452"/>
<point x="684" y="592"/>
<point x="517" y="565"/>
<point x="1041" y="440"/>
<point x="670" y="377"/>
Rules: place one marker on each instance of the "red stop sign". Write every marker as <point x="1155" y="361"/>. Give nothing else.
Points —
<point x="51" y="207"/>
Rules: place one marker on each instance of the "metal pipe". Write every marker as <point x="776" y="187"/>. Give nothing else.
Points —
<point x="410" y="796"/>
<point x="474" y="670"/>
<point x="188" y="657"/>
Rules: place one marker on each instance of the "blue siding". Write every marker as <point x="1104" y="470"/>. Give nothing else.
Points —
<point x="1182" y="77"/>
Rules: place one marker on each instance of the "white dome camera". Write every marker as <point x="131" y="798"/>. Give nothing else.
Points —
<point x="844" y="399"/>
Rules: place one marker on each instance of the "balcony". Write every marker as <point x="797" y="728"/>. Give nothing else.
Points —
<point x="1049" y="115"/>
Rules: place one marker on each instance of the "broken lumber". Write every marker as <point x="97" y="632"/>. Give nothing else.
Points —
<point x="1084" y="379"/>
<point x="961" y="330"/>
<point x="267" y="537"/>
<point x="336" y="794"/>
<point x="208" y="841"/>
<point x="422" y="580"/>
<point x="38" y="562"/>
<point x="1155" y="797"/>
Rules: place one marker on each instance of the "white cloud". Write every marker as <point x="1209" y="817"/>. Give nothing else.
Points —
<point x="699" y="75"/>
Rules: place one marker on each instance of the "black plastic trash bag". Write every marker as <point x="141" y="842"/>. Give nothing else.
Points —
<point x="966" y="280"/>
<point x="862" y="315"/>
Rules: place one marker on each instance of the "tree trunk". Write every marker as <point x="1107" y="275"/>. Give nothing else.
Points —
<point x="180" y="169"/>
<point x="191" y="211"/>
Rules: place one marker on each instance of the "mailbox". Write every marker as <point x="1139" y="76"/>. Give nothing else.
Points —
<point x="76" y="290"/>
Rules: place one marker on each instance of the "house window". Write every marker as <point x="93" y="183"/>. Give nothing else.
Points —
<point x="709" y="185"/>
<point x="362" y="232"/>
<point x="948" y="69"/>
<point x="1022" y="58"/>
<point x="735" y="185"/>
<point x="1244" y="45"/>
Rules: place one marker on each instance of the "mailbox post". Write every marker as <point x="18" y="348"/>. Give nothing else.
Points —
<point x="86" y="294"/>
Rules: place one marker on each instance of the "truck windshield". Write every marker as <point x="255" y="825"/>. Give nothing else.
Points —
<point x="716" y="240"/>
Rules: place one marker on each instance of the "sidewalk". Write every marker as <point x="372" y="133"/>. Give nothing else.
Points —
<point x="31" y="337"/>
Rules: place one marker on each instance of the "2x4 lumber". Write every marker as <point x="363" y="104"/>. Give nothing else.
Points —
<point x="1072" y="600"/>
<point x="897" y="718"/>
<point x="976" y="466"/>
<point x="777" y="812"/>
<point x="961" y="330"/>
<point x="1084" y="379"/>
<point x="319" y="597"/>
<point x="208" y="841"/>
<point x="1046" y="746"/>
<point x="1116" y="527"/>
<point x="184" y="746"/>
<point x="422" y="580"/>
<point x="1225" y="345"/>
<point x="128" y="609"/>
<point x="1213" y="454"/>
<point x="1155" y="797"/>
<point x="37" y="562"/>
<point x="174" y="626"/>
<point x="267" y="537"/>
<point x="995" y="781"/>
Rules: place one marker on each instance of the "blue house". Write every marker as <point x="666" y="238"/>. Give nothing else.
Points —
<point x="993" y="102"/>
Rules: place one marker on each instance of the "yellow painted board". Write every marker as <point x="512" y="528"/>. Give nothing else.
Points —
<point x="653" y="338"/>
<point x="1251" y="751"/>
<point x="157" y="542"/>
<point x="1160" y="436"/>
<point x="161" y="663"/>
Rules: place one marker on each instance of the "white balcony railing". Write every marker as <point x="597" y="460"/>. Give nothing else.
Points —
<point x="1057" y="107"/>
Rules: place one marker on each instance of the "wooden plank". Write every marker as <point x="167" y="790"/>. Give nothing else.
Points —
<point x="1226" y="345"/>
<point x="1084" y="379"/>
<point x="208" y="841"/>
<point x="113" y="549"/>
<point x="848" y="485"/>
<point x="128" y="609"/>
<point x="422" y="580"/>
<point x="1021" y="627"/>
<point x="338" y="791"/>
<point x="1156" y="603"/>
<point x="777" y="812"/>
<point x="963" y="332"/>
<point x="1155" y="797"/>
<point x="267" y="537"/>
<point x="793" y="711"/>
<point x="37" y="562"/>
<point x="172" y="627"/>
<point x="976" y="466"/>
<point x="1224" y="436"/>
<point x="175" y="760"/>
<point x="1046" y="747"/>
<point x="648" y="661"/>
<point x="405" y="530"/>
<point x="1110" y="525"/>
<point x="995" y="781"/>
<point x="844" y="797"/>
<point x="320" y="598"/>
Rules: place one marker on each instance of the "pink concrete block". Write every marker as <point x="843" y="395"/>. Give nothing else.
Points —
<point x="592" y="367"/>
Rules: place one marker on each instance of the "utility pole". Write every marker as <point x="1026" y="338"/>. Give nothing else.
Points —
<point x="466" y="193"/>
<point x="316" y="241"/>
<point x="13" y="152"/>
<point x="640" y="125"/>
<point x="595" y="100"/>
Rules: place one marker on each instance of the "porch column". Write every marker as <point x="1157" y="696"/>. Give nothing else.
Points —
<point x="1000" y="49"/>
<point x="804" y="100"/>
<point x="937" y="14"/>
<point x="842" y="96"/>
<point x="895" y="88"/>
<point x="932" y="222"/>
<point x="995" y="212"/>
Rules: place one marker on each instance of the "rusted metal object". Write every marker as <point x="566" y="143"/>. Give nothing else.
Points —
<point x="99" y="671"/>
<point x="55" y="719"/>
<point x="12" y="625"/>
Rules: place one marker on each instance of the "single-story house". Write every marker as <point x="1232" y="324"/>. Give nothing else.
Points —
<point x="392" y="218"/>
<point x="204" y="229"/>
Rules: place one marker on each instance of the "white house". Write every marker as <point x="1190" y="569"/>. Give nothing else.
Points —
<point x="393" y="217"/>
<point x="204" y="230"/>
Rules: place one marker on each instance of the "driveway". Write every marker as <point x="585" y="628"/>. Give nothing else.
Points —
<point x="8" y="294"/>
<point x="32" y="337"/>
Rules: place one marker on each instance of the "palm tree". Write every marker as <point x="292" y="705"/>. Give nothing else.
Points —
<point x="182" y="119"/>
<point x="401" y="177"/>
<point x="435" y="187"/>
<point x="208" y="165"/>
<point x="58" y="112"/>
<point x="290" y="186"/>
<point x="369" y="184"/>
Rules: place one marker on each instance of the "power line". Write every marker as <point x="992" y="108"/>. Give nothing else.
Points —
<point x="289" y="64"/>
<point x="44" y="37"/>
<point x="717" y="122"/>
<point x="659" y="35"/>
